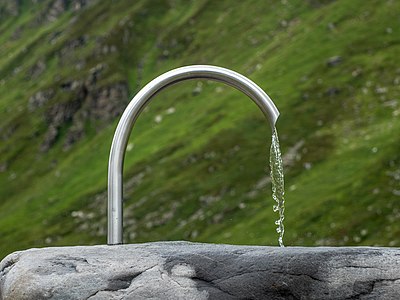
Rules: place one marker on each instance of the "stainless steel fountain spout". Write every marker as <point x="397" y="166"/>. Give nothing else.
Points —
<point x="131" y="113"/>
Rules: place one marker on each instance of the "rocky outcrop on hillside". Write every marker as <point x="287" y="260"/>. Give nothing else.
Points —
<point x="55" y="8"/>
<point x="87" y="103"/>
<point x="67" y="51"/>
<point x="39" y="99"/>
<point x="37" y="69"/>
<point x="58" y="115"/>
<point x="11" y="7"/>
<point x="100" y="107"/>
<point x="104" y="101"/>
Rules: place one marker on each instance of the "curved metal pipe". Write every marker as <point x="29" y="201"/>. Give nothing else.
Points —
<point x="131" y="113"/>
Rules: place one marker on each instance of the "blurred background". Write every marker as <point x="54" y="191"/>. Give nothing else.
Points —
<point x="196" y="165"/>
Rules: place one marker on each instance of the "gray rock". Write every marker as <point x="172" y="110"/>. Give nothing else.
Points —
<point x="332" y="91"/>
<point x="57" y="116"/>
<point x="87" y="102"/>
<point x="79" y="4"/>
<point x="12" y="7"/>
<point x="334" y="61"/>
<point x="108" y="102"/>
<point x="182" y="270"/>
<point x="57" y="8"/>
<point x="3" y="167"/>
<point x="17" y="33"/>
<point x="37" y="69"/>
<point x="39" y="99"/>
<point x="67" y="52"/>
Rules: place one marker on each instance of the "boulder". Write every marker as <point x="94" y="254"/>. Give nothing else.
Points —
<point x="39" y="99"/>
<point x="183" y="270"/>
<point x="334" y="61"/>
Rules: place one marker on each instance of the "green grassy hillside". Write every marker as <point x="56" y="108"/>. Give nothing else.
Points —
<point x="196" y="166"/>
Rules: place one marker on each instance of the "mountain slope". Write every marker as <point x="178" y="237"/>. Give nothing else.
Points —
<point x="196" y="166"/>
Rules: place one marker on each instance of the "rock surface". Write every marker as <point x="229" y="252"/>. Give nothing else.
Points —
<point x="182" y="270"/>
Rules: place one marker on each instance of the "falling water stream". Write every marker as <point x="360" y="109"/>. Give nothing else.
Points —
<point x="278" y="186"/>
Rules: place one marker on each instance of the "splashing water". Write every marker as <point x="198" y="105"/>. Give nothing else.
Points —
<point x="278" y="187"/>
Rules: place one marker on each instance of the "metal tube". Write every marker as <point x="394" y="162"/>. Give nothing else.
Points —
<point x="131" y="113"/>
